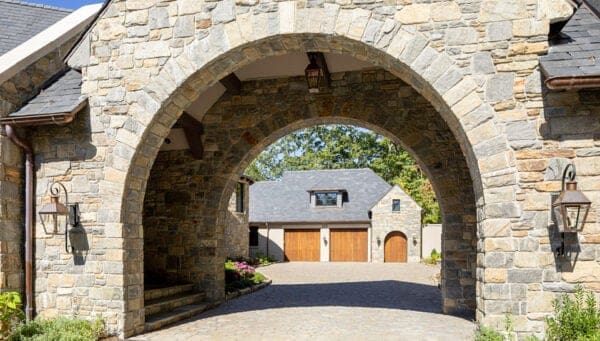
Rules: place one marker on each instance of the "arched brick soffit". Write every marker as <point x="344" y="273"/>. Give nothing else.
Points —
<point x="227" y="47"/>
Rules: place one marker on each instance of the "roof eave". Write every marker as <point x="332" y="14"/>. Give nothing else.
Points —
<point x="42" y="43"/>
<point x="47" y="119"/>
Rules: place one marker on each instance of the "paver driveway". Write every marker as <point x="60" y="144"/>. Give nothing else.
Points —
<point x="331" y="301"/>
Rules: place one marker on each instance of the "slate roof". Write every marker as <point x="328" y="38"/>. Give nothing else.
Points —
<point x="62" y="96"/>
<point x="288" y="200"/>
<point x="20" y="21"/>
<point x="575" y="52"/>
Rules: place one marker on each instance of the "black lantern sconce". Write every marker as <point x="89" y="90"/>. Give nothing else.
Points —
<point x="55" y="209"/>
<point x="378" y="241"/>
<point x="314" y="74"/>
<point x="570" y="208"/>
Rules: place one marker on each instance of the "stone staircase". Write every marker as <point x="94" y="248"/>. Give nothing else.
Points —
<point x="167" y="305"/>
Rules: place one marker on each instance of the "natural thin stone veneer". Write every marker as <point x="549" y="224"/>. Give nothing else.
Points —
<point x="470" y="106"/>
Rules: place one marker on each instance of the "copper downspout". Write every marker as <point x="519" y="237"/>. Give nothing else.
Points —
<point x="29" y="162"/>
<point x="571" y="83"/>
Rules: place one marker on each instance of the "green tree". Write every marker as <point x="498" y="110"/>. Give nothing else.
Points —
<point x="343" y="146"/>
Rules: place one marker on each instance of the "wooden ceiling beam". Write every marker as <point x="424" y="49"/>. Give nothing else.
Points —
<point x="232" y="83"/>
<point x="193" y="131"/>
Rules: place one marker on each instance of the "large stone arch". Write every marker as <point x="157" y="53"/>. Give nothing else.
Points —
<point x="153" y="80"/>
<point x="238" y="128"/>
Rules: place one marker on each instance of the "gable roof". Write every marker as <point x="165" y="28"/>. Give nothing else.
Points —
<point x="60" y="98"/>
<point x="575" y="52"/>
<point x="288" y="200"/>
<point x="20" y="21"/>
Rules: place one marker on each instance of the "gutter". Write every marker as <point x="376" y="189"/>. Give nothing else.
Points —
<point x="35" y="120"/>
<point x="573" y="82"/>
<point x="29" y="164"/>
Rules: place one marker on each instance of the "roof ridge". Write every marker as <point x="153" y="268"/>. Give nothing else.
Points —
<point x="327" y="170"/>
<point x="31" y="4"/>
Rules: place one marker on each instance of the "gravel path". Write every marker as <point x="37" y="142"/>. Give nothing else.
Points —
<point x="331" y="301"/>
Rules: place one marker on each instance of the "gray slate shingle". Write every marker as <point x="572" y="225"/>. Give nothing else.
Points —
<point x="288" y="200"/>
<point x="20" y="21"/>
<point x="62" y="96"/>
<point x="576" y="53"/>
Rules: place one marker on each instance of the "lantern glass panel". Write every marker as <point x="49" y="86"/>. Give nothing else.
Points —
<point x="313" y="77"/>
<point x="559" y="217"/>
<point x="571" y="217"/>
<point x="575" y="216"/>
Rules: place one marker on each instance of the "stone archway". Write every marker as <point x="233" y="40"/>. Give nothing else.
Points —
<point x="157" y="132"/>
<point x="159" y="78"/>
<point x="238" y="128"/>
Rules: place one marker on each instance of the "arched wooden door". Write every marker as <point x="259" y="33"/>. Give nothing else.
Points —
<point x="395" y="248"/>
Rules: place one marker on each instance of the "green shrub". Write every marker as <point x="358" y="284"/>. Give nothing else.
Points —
<point x="575" y="318"/>
<point x="488" y="334"/>
<point x="258" y="278"/>
<point x="59" y="329"/>
<point x="434" y="258"/>
<point x="264" y="259"/>
<point x="11" y="312"/>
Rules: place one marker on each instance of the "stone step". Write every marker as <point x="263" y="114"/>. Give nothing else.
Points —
<point x="157" y="321"/>
<point x="153" y="294"/>
<point x="169" y="303"/>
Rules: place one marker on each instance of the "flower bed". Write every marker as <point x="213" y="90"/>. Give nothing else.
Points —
<point x="241" y="275"/>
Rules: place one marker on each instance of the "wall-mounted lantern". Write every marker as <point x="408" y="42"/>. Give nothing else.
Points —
<point x="324" y="240"/>
<point x="414" y="239"/>
<point x="314" y="74"/>
<point x="378" y="241"/>
<point x="571" y="207"/>
<point x="55" y="208"/>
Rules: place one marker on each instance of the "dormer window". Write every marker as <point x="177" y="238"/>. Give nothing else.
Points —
<point x="326" y="199"/>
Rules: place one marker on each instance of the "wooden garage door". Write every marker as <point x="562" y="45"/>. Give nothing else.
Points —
<point x="395" y="248"/>
<point x="348" y="245"/>
<point x="302" y="245"/>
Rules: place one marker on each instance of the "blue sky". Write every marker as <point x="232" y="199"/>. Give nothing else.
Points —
<point x="73" y="4"/>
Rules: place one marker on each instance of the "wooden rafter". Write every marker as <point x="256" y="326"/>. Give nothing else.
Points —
<point x="232" y="83"/>
<point x="193" y="133"/>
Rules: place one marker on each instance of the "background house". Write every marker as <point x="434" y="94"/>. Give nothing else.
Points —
<point x="334" y="215"/>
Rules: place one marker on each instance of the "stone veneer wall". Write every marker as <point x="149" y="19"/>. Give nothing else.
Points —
<point x="236" y="229"/>
<point x="474" y="62"/>
<point x="407" y="221"/>
<point x="172" y="210"/>
<point x="170" y="218"/>
<point x="14" y="93"/>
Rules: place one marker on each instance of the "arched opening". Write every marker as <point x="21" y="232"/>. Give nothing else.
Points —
<point x="395" y="247"/>
<point x="237" y="127"/>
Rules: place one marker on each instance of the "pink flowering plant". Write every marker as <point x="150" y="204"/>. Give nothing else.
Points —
<point x="239" y="275"/>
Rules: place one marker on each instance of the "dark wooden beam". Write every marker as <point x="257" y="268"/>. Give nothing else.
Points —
<point x="322" y="63"/>
<point x="193" y="133"/>
<point x="232" y="83"/>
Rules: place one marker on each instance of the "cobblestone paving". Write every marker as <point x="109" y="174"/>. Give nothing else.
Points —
<point x="331" y="301"/>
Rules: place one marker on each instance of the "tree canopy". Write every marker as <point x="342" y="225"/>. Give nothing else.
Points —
<point x="344" y="146"/>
